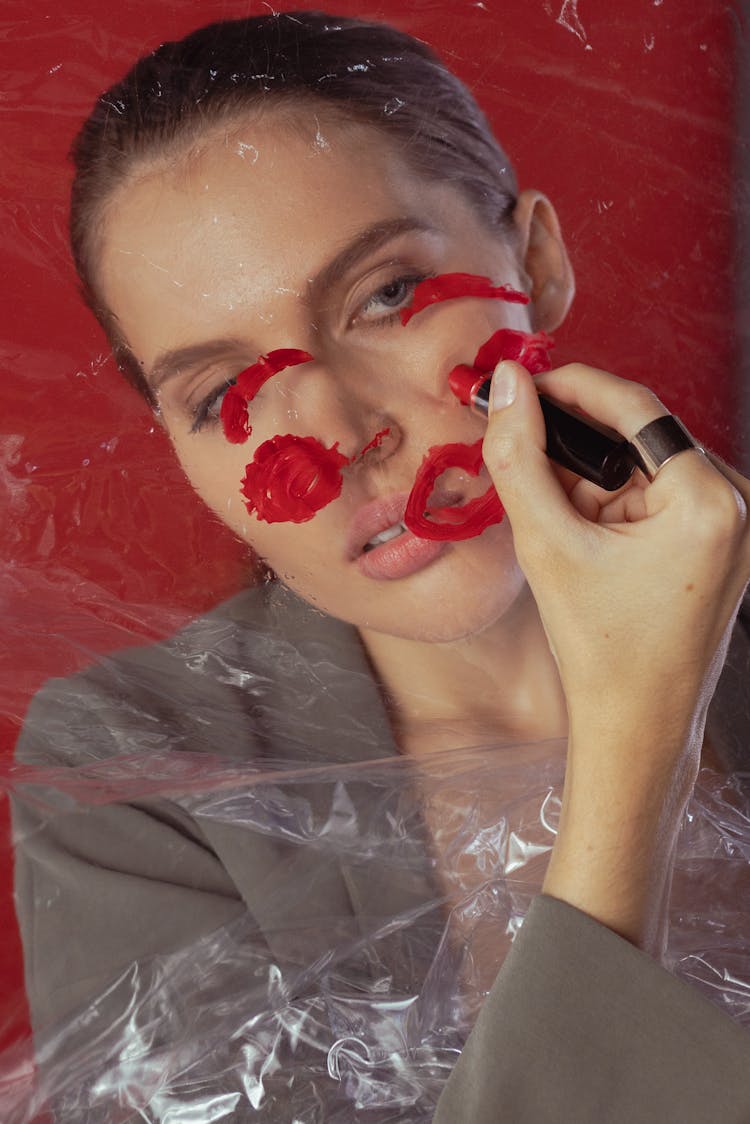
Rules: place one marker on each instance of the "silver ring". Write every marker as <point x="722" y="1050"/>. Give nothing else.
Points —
<point x="658" y="442"/>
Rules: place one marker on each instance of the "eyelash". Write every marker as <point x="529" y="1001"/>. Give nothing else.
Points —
<point x="201" y="412"/>
<point x="410" y="279"/>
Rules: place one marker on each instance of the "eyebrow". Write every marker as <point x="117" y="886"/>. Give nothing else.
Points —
<point x="363" y="244"/>
<point x="178" y="360"/>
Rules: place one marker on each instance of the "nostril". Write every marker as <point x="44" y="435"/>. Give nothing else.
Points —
<point x="376" y="442"/>
<point x="383" y="443"/>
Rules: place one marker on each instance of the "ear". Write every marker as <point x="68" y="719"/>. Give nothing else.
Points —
<point x="544" y="259"/>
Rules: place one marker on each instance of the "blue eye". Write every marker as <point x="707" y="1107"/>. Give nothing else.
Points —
<point x="390" y="298"/>
<point x="207" y="411"/>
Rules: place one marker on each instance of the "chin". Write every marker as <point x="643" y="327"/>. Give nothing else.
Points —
<point x="456" y="611"/>
<point x="454" y="624"/>
<point x="457" y="597"/>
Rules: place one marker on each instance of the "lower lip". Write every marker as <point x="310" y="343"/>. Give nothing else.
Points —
<point x="400" y="557"/>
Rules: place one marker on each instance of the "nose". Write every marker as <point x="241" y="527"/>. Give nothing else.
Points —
<point x="385" y="440"/>
<point x="347" y="410"/>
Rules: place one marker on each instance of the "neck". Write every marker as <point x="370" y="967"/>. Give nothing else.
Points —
<point x="500" y="685"/>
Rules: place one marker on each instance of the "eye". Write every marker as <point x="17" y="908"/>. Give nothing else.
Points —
<point x="387" y="301"/>
<point x="207" y="411"/>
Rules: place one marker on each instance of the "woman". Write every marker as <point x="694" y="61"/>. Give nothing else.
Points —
<point x="292" y="183"/>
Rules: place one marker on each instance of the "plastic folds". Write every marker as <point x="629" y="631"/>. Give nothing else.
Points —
<point x="238" y="898"/>
<point x="384" y="896"/>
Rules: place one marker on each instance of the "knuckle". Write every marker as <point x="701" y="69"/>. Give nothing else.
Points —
<point x="644" y="400"/>
<point x="719" y="511"/>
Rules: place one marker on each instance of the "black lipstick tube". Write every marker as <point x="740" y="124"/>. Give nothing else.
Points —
<point x="585" y="446"/>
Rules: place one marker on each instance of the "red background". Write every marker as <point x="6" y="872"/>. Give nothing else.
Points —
<point x="621" y="113"/>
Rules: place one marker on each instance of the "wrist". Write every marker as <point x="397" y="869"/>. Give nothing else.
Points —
<point x="614" y="852"/>
<point x="622" y="886"/>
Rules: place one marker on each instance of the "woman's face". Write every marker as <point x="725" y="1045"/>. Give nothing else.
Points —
<point x="273" y="236"/>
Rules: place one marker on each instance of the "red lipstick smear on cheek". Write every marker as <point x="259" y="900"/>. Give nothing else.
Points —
<point x="456" y="522"/>
<point x="450" y="286"/>
<point x="291" y="478"/>
<point x="530" y="349"/>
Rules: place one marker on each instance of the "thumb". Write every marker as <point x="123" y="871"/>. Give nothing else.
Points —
<point x="513" y="452"/>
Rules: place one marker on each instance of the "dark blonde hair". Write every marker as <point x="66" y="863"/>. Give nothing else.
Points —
<point x="369" y="73"/>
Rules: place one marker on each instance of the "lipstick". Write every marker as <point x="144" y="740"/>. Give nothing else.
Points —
<point x="585" y="446"/>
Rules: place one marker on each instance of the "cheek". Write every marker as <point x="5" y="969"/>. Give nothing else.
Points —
<point x="214" y="470"/>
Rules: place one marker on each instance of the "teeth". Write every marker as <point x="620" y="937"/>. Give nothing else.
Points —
<point x="385" y="536"/>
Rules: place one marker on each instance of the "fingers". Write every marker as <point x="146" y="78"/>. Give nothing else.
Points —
<point x="546" y="508"/>
<point x="622" y="404"/>
<point x="513" y="452"/>
<point x="627" y="505"/>
<point x="627" y="406"/>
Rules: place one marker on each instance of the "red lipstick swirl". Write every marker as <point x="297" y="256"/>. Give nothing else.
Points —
<point x="291" y="478"/>
<point x="455" y="523"/>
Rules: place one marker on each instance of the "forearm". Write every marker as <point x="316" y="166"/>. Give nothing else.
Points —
<point x="614" y="853"/>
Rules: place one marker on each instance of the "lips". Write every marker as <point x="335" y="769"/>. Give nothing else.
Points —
<point x="376" y="516"/>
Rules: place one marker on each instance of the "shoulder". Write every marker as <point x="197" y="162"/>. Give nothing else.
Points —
<point x="262" y="673"/>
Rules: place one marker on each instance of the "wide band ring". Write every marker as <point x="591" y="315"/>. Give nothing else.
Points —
<point x="658" y="442"/>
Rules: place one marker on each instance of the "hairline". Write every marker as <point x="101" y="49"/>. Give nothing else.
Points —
<point x="189" y="144"/>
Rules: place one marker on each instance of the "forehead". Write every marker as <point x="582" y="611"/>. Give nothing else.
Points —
<point x="244" y="220"/>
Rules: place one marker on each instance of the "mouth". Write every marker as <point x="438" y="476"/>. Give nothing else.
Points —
<point x="385" y="536"/>
<point x="375" y="523"/>
<point x="381" y="521"/>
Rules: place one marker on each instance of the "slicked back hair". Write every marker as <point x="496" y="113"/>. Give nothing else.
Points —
<point x="368" y="73"/>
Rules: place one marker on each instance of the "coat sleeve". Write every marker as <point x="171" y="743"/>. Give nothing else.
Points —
<point x="581" y="1026"/>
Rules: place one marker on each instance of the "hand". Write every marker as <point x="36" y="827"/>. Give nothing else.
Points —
<point x="637" y="591"/>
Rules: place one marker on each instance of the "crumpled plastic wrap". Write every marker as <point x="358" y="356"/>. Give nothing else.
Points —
<point x="104" y="546"/>
<point x="225" y="1029"/>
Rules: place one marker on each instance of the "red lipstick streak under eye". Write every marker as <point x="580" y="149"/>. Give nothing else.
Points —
<point x="450" y="286"/>
<point x="234" y="414"/>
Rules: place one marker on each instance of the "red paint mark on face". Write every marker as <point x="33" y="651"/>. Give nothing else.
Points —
<point x="530" y="349"/>
<point x="234" y="418"/>
<point x="291" y="478"/>
<point x="234" y="414"/>
<point x="449" y="286"/>
<point x="376" y="442"/>
<point x="455" y="523"/>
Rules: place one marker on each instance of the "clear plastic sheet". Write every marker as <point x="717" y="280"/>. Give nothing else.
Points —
<point x="239" y="1026"/>
<point x="268" y="1007"/>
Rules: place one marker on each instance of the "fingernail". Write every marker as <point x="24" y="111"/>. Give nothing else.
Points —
<point x="504" y="383"/>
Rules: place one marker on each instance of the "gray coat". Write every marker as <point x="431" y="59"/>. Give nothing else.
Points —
<point x="579" y="1026"/>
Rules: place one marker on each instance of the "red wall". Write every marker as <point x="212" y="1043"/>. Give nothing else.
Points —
<point x="624" y="120"/>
